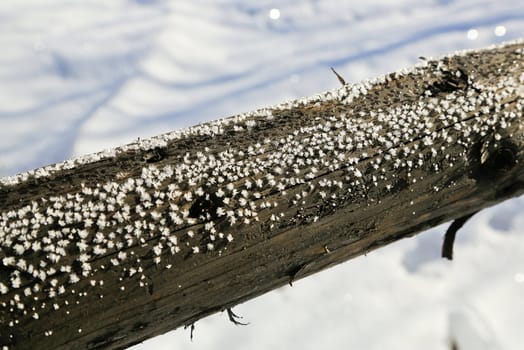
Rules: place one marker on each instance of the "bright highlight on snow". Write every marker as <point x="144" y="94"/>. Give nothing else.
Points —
<point x="274" y="13"/>
<point x="519" y="277"/>
<point x="500" y="30"/>
<point x="473" y="34"/>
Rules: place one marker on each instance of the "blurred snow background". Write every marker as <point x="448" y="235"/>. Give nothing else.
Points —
<point x="80" y="76"/>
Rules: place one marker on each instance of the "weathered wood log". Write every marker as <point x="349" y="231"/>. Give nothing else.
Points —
<point x="110" y="249"/>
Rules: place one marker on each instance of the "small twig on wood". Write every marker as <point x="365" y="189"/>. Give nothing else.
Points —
<point x="339" y="77"/>
<point x="233" y="318"/>
<point x="192" y="329"/>
<point x="293" y="273"/>
<point x="449" y="237"/>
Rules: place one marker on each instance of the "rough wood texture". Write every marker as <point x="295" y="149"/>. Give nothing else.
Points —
<point x="108" y="250"/>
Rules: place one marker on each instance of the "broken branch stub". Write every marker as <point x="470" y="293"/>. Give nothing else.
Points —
<point x="106" y="250"/>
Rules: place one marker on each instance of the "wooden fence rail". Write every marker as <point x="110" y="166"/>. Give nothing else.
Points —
<point x="106" y="250"/>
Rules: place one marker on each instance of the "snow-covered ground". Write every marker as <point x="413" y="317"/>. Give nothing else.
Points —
<point x="80" y="76"/>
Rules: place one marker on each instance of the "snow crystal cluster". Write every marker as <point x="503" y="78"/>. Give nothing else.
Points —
<point x="58" y="245"/>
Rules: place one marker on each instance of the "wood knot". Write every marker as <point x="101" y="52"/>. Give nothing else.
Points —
<point x="495" y="156"/>
<point x="155" y="155"/>
<point x="450" y="81"/>
<point x="205" y="207"/>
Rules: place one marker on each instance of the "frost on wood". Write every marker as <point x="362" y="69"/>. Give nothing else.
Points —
<point x="106" y="250"/>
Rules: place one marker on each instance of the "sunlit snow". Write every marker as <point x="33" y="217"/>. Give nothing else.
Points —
<point x="79" y="77"/>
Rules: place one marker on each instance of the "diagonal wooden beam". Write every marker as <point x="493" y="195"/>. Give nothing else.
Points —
<point x="106" y="250"/>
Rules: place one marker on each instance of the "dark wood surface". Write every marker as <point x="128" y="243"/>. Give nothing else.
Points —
<point x="106" y="251"/>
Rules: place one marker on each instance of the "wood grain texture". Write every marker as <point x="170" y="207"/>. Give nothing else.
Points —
<point x="108" y="250"/>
